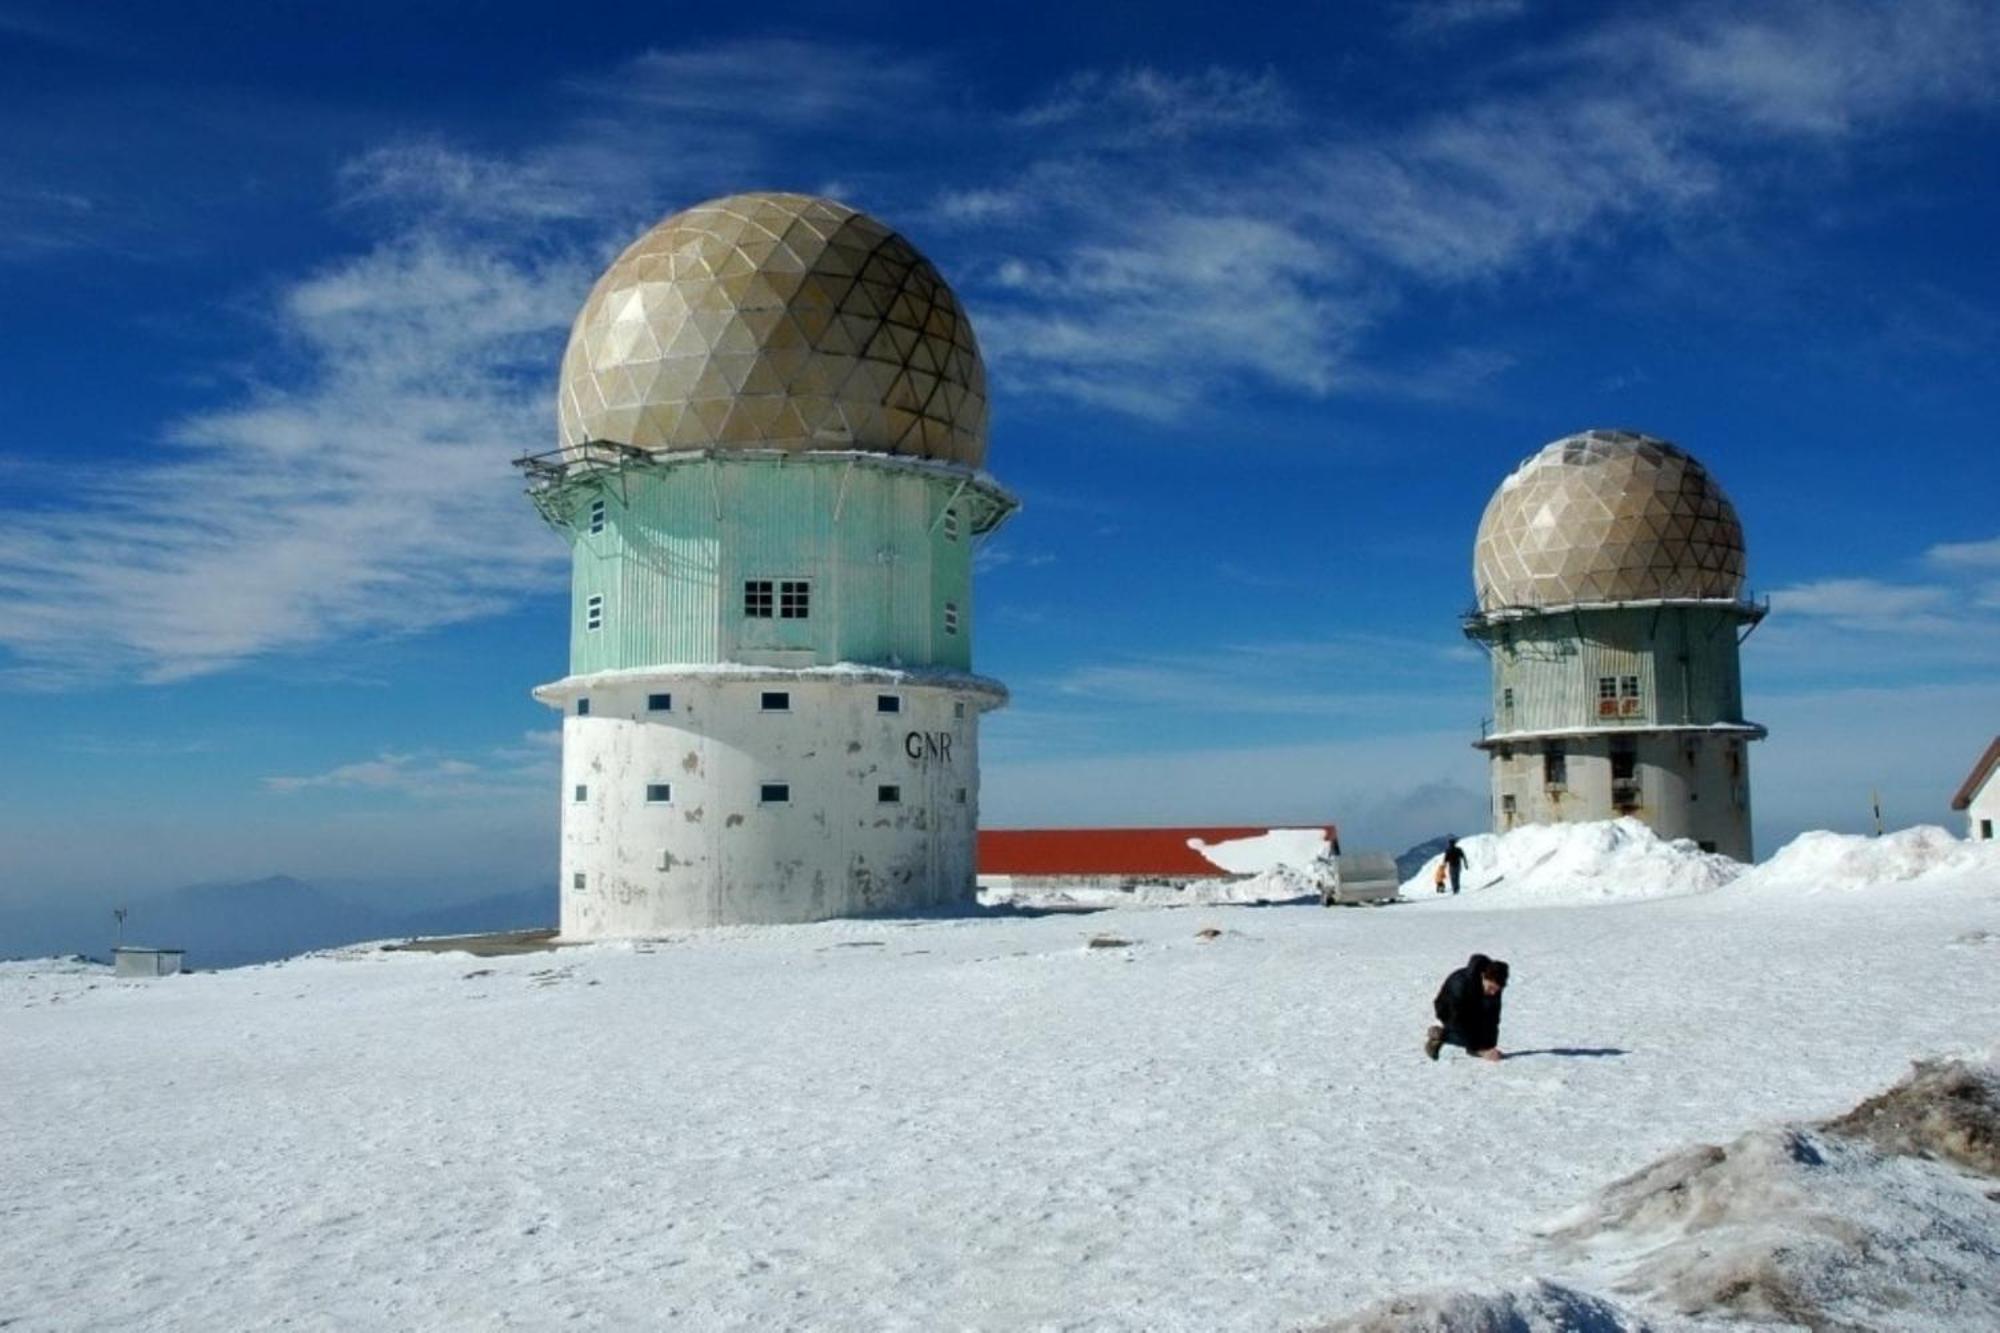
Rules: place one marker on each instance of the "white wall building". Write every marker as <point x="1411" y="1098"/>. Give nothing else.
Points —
<point x="1979" y="797"/>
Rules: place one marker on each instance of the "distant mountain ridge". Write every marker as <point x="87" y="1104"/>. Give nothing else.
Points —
<point x="255" y="921"/>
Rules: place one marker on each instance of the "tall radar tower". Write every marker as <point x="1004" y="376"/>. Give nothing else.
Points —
<point x="773" y="426"/>
<point x="1609" y="572"/>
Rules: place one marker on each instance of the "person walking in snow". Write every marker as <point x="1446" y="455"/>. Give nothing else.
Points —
<point x="1468" y="1009"/>
<point x="1454" y="861"/>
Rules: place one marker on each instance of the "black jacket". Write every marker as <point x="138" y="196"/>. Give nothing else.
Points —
<point x="1470" y="1016"/>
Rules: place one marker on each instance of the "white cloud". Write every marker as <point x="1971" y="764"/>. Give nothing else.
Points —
<point x="505" y="770"/>
<point x="1438" y="18"/>
<point x="1975" y="556"/>
<point x="370" y="495"/>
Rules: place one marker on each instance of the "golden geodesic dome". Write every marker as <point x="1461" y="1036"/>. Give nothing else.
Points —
<point x="774" y="321"/>
<point x="1607" y="516"/>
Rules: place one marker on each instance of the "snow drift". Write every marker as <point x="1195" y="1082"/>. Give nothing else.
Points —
<point x="1542" y="865"/>
<point x="1846" y="862"/>
<point x="1881" y="1218"/>
<point x="1276" y="884"/>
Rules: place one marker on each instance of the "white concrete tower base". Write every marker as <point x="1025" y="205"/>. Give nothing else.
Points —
<point x="727" y="795"/>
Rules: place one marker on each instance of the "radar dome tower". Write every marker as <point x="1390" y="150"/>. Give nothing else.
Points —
<point x="773" y="422"/>
<point x="1609" y="572"/>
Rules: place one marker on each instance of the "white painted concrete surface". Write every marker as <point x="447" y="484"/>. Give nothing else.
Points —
<point x="673" y="817"/>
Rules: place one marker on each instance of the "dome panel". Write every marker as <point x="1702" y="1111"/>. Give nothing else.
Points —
<point x="1607" y="515"/>
<point x="807" y="312"/>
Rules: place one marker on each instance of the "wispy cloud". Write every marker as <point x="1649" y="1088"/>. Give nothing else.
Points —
<point x="367" y="494"/>
<point x="1869" y="626"/>
<point x="1429" y="19"/>
<point x="1966" y="555"/>
<point x="502" y="770"/>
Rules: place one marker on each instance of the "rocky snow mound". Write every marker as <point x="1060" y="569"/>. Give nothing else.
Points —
<point x="1546" y="865"/>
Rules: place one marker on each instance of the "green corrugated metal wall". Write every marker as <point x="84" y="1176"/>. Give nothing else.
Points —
<point x="1685" y="657"/>
<point x="679" y="542"/>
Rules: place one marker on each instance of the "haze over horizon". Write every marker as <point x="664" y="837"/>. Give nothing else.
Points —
<point x="1270" y="308"/>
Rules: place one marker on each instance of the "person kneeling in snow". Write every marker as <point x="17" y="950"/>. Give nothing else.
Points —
<point x="1468" y="1009"/>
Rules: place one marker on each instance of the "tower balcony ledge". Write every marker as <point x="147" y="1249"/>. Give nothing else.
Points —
<point x="1751" y="731"/>
<point x="987" y="692"/>
<point x="1477" y="620"/>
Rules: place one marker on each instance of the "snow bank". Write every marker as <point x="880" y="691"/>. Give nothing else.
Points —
<point x="1278" y="884"/>
<point x="1845" y="862"/>
<point x="1532" y="1307"/>
<point x="1297" y="848"/>
<point x="1543" y="865"/>
<point x="1837" y="1225"/>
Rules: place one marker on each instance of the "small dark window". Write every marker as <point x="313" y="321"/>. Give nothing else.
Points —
<point x="1624" y="764"/>
<point x="774" y="793"/>
<point x="659" y="703"/>
<point x="1628" y="687"/>
<point x="958" y="708"/>
<point x="1507" y="805"/>
<point x="1986" y="830"/>
<point x="1507" y="697"/>
<point x="597" y="516"/>
<point x="951" y="525"/>
<point x="583" y="708"/>
<point x="581" y="794"/>
<point x="794" y="599"/>
<point x="593" y="613"/>
<point x="888" y="703"/>
<point x="889" y="794"/>
<point x="758" y="599"/>
<point x="958" y="796"/>
<point x="1555" y="768"/>
<point x="579" y="881"/>
<point x="951" y="617"/>
<point x="776" y="701"/>
<point x="1706" y="846"/>
<point x="659" y="793"/>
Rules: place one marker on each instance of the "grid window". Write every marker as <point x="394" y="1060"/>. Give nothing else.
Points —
<point x="888" y="703"/>
<point x="593" y="613"/>
<point x="596" y="516"/>
<point x="774" y="793"/>
<point x="889" y="794"/>
<point x="1628" y="687"/>
<point x="659" y="793"/>
<point x="579" y="881"/>
<point x="776" y="701"/>
<point x="758" y="601"/>
<point x="1607" y="687"/>
<point x="659" y="703"/>
<point x="580" y="794"/>
<point x="794" y="599"/>
<point x="1507" y="697"/>
<point x="951" y="525"/>
<point x="583" y="708"/>
<point x="951" y="617"/>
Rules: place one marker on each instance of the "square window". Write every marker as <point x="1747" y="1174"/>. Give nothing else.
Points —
<point x="757" y="599"/>
<point x="659" y="793"/>
<point x="580" y="794"/>
<point x="1628" y="687"/>
<point x="888" y="703"/>
<point x="1507" y="804"/>
<point x="579" y="881"/>
<point x="583" y="708"/>
<point x="958" y="708"/>
<point x="776" y="701"/>
<point x="596" y="516"/>
<point x="958" y="797"/>
<point x="593" y="613"/>
<point x="889" y="794"/>
<point x="659" y="703"/>
<point x="1986" y="830"/>
<point x="774" y="793"/>
<point x="1555" y="768"/>
<point x="1607" y="687"/>
<point x="951" y="617"/>
<point x="794" y="599"/>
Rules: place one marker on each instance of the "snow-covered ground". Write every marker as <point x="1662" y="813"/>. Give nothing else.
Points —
<point x="987" y="1123"/>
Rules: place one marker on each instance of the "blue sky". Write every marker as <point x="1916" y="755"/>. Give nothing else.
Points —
<point x="1271" y="302"/>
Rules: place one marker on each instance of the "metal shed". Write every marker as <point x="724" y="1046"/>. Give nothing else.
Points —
<point x="136" y="962"/>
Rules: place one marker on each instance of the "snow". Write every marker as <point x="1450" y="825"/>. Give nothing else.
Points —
<point x="1297" y="848"/>
<point x="985" y="1122"/>
<point x="1277" y="884"/>
<point x="1846" y="863"/>
<point x="1541" y="865"/>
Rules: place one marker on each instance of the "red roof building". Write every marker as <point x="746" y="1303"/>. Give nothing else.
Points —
<point x="1121" y="853"/>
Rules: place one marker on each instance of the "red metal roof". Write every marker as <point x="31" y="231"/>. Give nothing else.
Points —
<point x="1980" y="771"/>
<point x="1109" y="851"/>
